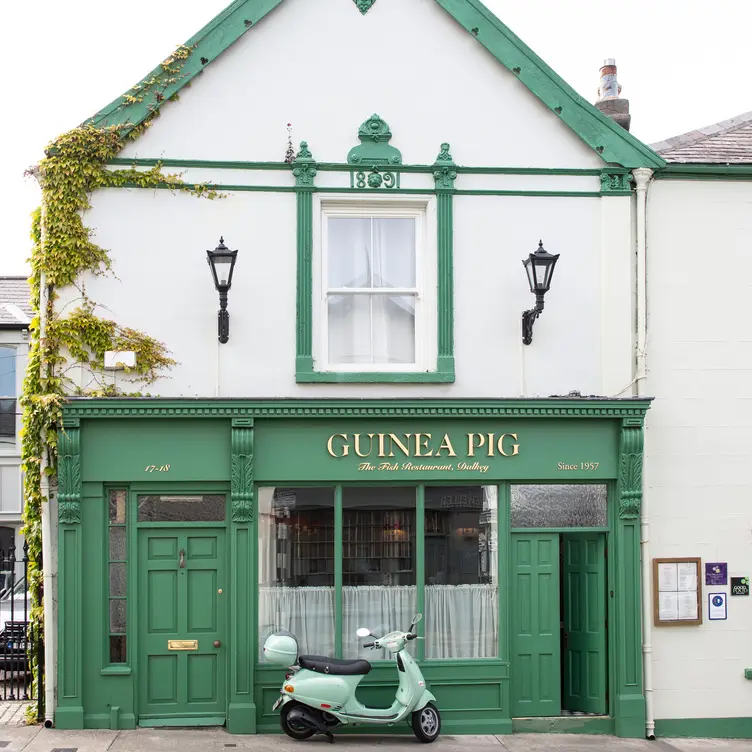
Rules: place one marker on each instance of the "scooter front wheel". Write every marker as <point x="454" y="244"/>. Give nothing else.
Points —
<point x="294" y="730"/>
<point x="427" y="723"/>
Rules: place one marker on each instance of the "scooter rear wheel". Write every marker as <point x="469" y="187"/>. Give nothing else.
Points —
<point x="427" y="723"/>
<point x="296" y="731"/>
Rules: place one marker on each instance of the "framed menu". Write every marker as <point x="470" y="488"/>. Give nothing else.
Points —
<point x="677" y="592"/>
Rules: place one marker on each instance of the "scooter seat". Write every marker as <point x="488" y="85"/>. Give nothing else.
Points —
<point x="322" y="665"/>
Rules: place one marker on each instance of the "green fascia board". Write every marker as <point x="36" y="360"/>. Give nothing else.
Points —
<point x="704" y="171"/>
<point x="625" y="408"/>
<point x="613" y="144"/>
<point x="207" y="44"/>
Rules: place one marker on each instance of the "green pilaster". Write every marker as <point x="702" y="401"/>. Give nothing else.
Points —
<point x="241" y="654"/>
<point x="420" y="562"/>
<point x="69" y="713"/>
<point x="445" y="173"/>
<point x="629" y="703"/>
<point x="503" y="544"/>
<point x="304" y="170"/>
<point x="338" y="571"/>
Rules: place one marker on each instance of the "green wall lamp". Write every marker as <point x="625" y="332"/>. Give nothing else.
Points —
<point x="222" y="263"/>
<point x="540" y="269"/>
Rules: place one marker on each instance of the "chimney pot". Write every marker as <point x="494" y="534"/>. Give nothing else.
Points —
<point x="609" y="102"/>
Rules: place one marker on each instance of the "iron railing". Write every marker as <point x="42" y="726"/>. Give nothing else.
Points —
<point x="18" y="638"/>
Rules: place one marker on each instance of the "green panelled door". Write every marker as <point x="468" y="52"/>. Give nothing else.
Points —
<point x="536" y="629"/>
<point x="181" y="576"/>
<point x="585" y="622"/>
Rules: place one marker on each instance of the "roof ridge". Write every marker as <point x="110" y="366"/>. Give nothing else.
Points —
<point x="700" y="134"/>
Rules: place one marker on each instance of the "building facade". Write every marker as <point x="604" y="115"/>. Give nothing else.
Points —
<point x="15" y="317"/>
<point x="367" y="429"/>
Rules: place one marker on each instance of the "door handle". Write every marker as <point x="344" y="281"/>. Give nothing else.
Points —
<point x="566" y="639"/>
<point x="182" y="559"/>
<point x="217" y="644"/>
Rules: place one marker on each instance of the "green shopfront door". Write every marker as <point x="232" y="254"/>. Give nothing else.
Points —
<point x="182" y="626"/>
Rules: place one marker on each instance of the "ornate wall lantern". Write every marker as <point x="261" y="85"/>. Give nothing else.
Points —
<point x="222" y="263"/>
<point x="540" y="269"/>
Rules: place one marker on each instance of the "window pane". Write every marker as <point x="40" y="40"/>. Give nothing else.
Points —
<point x="393" y="252"/>
<point x="10" y="491"/>
<point x="117" y="649"/>
<point x="349" y="259"/>
<point x="393" y="331"/>
<point x="349" y="329"/>
<point x="117" y="616"/>
<point x="296" y="566"/>
<point x="117" y="544"/>
<point x="559" y="506"/>
<point x="461" y="599"/>
<point x="117" y="507"/>
<point x="7" y="419"/>
<point x="117" y="579"/>
<point x="181" y="508"/>
<point x="378" y="564"/>
<point x="7" y="371"/>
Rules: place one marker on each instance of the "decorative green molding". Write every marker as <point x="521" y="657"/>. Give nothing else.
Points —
<point x="445" y="174"/>
<point x="628" y="408"/>
<point x="374" y="151"/>
<point x="69" y="475"/>
<point x="304" y="168"/>
<point x="445" y="170"/>
<point x="364" y="5"/>
<point x="630" y="472"/>
<point x="615" y="183"/>
<point x="241" y="477"/>
<point x="704" y="172"/>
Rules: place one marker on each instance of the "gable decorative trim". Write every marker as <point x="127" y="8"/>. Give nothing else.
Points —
<point x="611" y="142"/>
<point x="376" y="152"/>
<point x="364" y="5"/>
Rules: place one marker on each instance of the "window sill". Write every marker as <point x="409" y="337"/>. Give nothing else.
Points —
<point x="444" y="374"/>
<point x="116" y="670"/>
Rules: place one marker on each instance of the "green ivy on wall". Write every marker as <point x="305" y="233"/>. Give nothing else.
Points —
<point x="74" y="167"/>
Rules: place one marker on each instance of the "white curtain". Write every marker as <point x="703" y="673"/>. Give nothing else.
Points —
<point x="460" y="621"/>
<point x="371" y="253"/>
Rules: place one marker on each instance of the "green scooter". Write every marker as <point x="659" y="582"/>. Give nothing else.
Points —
<point x="319" y="693"/>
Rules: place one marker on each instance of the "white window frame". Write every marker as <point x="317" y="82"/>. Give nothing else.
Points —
<point x="418" y="207"/>
<point x="7" y="441"/>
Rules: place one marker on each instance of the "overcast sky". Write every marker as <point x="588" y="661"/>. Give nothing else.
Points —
<point x="682" y="64"/>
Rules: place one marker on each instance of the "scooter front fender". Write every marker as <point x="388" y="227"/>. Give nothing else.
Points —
<point x="425" y="698"/>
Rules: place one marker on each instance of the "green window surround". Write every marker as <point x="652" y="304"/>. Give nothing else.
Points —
<point x="384" y="161"/>
<point x="116" y="580"/>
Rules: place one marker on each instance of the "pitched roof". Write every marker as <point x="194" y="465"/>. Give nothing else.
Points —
<point x="727" y="142"/>
<point x="15" y="309"/>
<point x="614" y="144"/>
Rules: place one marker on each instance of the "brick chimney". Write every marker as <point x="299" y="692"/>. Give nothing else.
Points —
<point x="609" y="102"/>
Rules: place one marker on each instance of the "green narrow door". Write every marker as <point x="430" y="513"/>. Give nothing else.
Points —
<point x="181" y="576"/>
<point x="536" y="629"/>
<point x="585" y="622"/>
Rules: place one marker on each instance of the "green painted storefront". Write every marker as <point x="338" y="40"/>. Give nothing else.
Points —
<point x="138" y="581"/>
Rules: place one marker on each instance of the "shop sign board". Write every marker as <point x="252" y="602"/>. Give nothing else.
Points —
<point x="740" y="586"/>
<point x="716" y="573"/>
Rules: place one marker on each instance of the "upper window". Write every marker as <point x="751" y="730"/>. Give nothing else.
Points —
<point x="7" y="393"/>
<point x="376" y="269"/>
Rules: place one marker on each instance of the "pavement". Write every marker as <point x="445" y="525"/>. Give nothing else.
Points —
<point x="15" y="738"/>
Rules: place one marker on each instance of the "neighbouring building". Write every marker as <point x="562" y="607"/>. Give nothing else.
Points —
<point x="382" y="418"/>
<point x="15" y="317"/>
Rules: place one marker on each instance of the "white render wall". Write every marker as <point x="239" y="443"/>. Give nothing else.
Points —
<point x="699" y="427"/>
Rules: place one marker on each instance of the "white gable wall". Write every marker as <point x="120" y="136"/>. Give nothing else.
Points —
<point x="697" y="441"/>
<point x="325" y="68"/>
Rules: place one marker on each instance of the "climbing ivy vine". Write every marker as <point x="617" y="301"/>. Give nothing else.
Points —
<point x="63" y="250"/>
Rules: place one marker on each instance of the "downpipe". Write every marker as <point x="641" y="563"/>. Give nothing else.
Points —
<point x="642" y="178"/>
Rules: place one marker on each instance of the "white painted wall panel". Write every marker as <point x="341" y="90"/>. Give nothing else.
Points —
<point x="158" y="241"/>
<point x="326" y="68"/>
<point x="697" y="447"/>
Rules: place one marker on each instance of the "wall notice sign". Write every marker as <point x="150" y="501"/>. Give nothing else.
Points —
<point x="716" y="573"/>
<point x="717" y="607"/>
<point x="740" y="586"/>
<point x="677" y="592"/>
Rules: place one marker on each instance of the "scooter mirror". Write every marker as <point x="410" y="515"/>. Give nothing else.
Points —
<point x="417" y="618"/>
<point x="363" y="632"/>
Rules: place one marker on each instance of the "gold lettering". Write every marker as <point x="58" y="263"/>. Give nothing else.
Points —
<point x="394" y="440"/>
<point x="345" y="445"/>
<point x="382" y="453"/>
<point x="446" y="444"/>
<point x="471" y="445"/>
<point x="421" y="445"/>
<point x="515" y="447"/>
<point x="356" y="436"/>
<point x="491" y="444"/>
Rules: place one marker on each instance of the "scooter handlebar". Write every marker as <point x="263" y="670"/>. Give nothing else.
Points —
<point x="369" y="644"/>
<point x="411" y="636"/>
